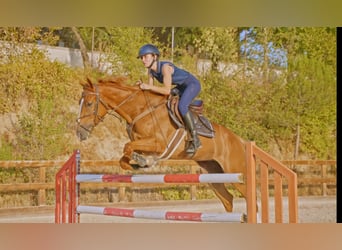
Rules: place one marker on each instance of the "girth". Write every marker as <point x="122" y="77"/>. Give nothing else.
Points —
<point x="150" y="109"/>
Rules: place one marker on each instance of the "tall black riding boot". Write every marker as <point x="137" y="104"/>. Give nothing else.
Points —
<point x="194" y="142"/>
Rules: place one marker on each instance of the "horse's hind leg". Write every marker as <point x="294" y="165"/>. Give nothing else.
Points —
<point x="219" y="189"/>
<point x="242" y="188"/>
<point x="222" y="193"/>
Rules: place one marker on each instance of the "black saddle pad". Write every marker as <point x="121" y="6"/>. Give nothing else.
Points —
<point x="204" y="126"/>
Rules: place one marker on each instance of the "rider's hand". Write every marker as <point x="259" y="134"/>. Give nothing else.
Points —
<point x="144" y="86"/>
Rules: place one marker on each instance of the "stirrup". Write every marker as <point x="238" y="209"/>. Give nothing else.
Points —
<point x="191" y="148"/>
<point x="197" y="143"/>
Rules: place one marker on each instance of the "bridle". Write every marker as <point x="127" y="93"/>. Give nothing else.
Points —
<point x="100" y="101"/>
<point x="131" y="121"/>
<point x="95" y="112"/>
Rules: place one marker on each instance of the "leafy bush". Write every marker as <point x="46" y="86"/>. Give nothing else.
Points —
<point x="40" y="93"/>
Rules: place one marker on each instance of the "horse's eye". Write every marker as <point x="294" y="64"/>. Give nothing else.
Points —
<point x="89" y="104"/>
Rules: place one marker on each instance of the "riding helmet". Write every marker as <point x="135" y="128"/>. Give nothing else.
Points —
<point x="148" y="49"/>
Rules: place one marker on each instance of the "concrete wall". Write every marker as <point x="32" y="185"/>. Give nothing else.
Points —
<point x="73" y="57"/>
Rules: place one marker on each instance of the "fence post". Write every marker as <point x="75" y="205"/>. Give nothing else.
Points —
<point x="42" y="192"/>
<point x="251" y="184"/>
<point x="122" y="189"/>
<point x="324" y="184"/>
<point x="193" y="186"/>
<point x="77" y="170"/>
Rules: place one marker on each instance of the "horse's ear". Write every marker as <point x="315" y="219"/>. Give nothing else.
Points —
<point x="87" y="84"/>
<point x="90" y="83"/>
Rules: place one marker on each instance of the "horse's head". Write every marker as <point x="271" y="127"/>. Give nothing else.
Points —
<point x="92" y="110"/>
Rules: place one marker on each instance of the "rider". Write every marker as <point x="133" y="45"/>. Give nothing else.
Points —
<point x="168" y="74"/>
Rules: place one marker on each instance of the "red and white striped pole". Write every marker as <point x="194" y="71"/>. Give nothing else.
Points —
<point x="164" y="215"/>
<point x="162" y="178"/>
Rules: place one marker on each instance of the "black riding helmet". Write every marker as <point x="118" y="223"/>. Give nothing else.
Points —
<point x="148" y="49"/>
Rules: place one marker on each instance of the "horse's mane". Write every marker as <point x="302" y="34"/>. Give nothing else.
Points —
<point x="117" y="81"/>
<point x="121" y="80"/>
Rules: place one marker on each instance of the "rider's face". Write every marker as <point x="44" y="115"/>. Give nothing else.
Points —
<point x="147" y="60"/>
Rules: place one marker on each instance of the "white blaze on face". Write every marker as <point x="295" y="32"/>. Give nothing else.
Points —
<point x="80" y="110"/>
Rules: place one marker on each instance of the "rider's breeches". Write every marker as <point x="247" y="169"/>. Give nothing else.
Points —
<point x="189" y="90"/>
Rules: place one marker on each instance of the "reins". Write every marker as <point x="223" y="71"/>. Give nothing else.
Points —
<point x="150" y="109"/>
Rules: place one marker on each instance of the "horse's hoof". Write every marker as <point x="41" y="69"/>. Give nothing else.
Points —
<point x="139" y="159"/>
<point x="144" y="161"/>
<point x="135" y="166"/>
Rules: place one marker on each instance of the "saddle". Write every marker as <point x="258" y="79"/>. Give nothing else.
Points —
<point x="202" y="124"/>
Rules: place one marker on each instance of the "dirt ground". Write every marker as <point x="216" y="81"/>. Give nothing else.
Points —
<point x="310" y="210"/>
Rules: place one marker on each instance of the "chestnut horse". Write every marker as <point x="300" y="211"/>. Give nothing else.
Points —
<point x="151" y="130"/>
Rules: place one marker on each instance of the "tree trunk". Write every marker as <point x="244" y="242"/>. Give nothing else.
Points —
<point x="265" y="62"/>
<point x="295" y="156"/>
<point x="83" y="49"/>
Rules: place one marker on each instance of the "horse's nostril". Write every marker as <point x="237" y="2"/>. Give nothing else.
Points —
<point x="82" y="133"/>
<point x="82" y="137"/>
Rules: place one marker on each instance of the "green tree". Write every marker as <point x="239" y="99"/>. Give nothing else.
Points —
<point x="308" y="47"/>
<point x="217" y="44"/>
<point x="312" y="94"/>
<point x="123" y="49"/>
<point x="48" y="36"/>
<point x="118" y="47"/>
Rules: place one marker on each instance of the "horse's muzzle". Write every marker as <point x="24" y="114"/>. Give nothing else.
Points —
<point x="82" y="133"/>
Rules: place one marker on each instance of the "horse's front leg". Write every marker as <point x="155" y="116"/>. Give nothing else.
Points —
<point x="143" y="145"/>
<point x="125" y="163"/>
